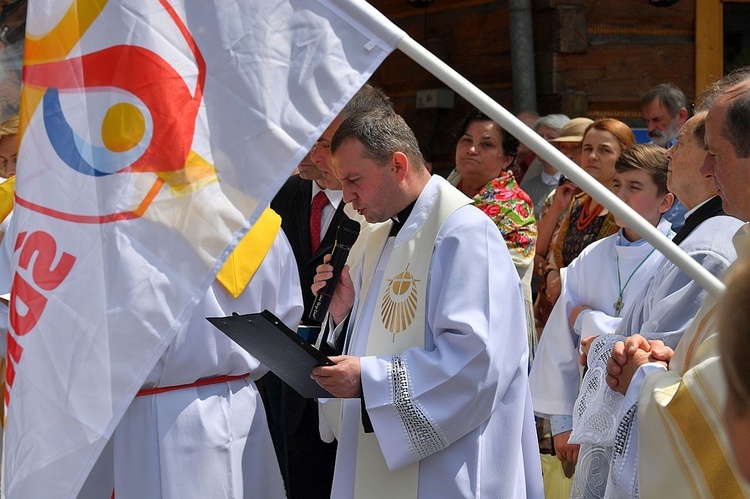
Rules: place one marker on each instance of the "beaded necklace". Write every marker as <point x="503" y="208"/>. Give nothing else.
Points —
<point x="585" y="219"/>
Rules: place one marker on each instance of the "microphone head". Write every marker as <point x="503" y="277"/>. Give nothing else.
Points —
<point x="347" y="232"/>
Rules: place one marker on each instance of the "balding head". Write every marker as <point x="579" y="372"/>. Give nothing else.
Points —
<point x="728" y="142"/>
<point x="686" y="158"/>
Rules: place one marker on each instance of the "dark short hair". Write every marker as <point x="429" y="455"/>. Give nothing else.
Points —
<point x="736" y="127"/>
<point x="649" y="158"/>
<point x="509" y="142"/>
<point x="382" y="133"/>
<point x="367" y="97"/>
<point x="670" y="96"/>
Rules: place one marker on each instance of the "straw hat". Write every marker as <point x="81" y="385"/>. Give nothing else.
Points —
<point x="573" y="130"/>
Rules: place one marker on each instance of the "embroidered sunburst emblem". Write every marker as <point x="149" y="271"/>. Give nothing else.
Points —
<point x="399" y="304"/>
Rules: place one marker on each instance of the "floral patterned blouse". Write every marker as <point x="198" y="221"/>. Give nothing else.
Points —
<point x="512" y="211"/>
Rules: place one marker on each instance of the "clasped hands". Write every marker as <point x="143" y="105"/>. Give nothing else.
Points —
<point x="627" y="356"/>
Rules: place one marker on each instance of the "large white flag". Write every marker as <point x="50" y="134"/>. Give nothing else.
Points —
<point x="154" y="133"/>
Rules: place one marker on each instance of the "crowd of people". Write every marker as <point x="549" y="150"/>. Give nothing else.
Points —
<point x="434" y="303"/>
<point x="625" y="335"/>
<point x="477" y="317"/>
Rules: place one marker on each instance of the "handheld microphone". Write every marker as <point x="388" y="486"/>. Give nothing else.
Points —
<point x="346" y="235"/>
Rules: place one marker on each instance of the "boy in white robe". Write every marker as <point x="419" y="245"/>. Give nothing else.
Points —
<point x="600" y="287"/>
<point x="446" y="400"/>
<point x="198" y="428"/>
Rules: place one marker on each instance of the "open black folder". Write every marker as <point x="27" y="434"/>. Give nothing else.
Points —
<point x="279" y="348"/>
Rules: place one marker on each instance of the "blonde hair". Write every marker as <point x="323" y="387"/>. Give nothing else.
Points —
<point x="734" y="334"/>
<point x="9" y="126"/>
<point x="649" y="158"/>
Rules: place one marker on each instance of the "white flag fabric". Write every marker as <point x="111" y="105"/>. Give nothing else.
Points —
<point x="154" y="134"/>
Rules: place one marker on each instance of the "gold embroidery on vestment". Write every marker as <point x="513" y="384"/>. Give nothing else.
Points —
<point x="399" y="305"/>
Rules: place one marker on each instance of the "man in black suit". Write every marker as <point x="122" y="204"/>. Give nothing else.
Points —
<point x="306" y="461"/>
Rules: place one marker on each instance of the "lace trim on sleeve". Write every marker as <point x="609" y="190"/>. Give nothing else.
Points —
<point x="623" y="469"/>
<point x="595" y="421"/>
<point x="595" y="414"/>
<point x="425" y="436"/>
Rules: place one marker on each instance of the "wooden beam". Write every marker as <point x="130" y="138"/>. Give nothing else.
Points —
<point x="709" y="43"/>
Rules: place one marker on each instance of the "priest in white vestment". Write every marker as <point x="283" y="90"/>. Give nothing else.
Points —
<point x="666" y="432"/>
<point x="433" y="314"/>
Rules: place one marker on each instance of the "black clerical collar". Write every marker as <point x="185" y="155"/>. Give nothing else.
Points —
<point x="403" y="215"/>
<point x="709" y="209"/>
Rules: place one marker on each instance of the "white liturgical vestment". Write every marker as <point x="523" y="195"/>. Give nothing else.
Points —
<point x="468" y="383"/>
<point x="605" y="423"/>
<point x="591" y="280"/>
<point x="212" y="440"/>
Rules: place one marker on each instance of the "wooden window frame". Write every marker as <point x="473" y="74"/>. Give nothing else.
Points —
<point x="709" y="41"/>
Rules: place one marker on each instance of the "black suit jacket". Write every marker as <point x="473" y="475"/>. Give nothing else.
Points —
<point x="292" y="203"/>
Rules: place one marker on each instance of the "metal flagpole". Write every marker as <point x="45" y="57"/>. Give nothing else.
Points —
<point x="508" y="122"/>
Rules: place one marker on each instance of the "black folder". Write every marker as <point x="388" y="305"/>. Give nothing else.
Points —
<point x="279" y="348"/>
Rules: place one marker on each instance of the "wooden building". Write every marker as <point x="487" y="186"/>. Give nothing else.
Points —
<point x="592" y="58"/>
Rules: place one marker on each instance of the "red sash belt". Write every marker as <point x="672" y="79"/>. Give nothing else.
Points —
<point x="201" y="382"/>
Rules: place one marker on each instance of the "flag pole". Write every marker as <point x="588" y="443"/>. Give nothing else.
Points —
<point x="536" y="143"/>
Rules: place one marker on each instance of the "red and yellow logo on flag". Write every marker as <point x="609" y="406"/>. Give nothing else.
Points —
<point x="113" y="113"/>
